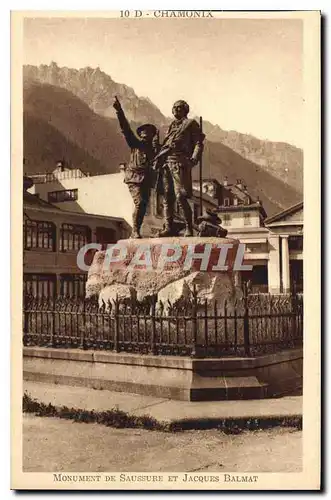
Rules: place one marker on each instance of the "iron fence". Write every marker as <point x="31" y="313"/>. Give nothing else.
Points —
<point x="252" y="325"/>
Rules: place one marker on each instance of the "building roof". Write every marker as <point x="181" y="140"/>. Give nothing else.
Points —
<point x="33" y="202"/>
<point x="205" y="196"/>
<point x="207" y="179"/>
<point x="231" y="208"/>
<point x="237" y="191"/>
<point x="58" y="174"/>
<point x="285" y="213"/>
<point x="242" y="207"/>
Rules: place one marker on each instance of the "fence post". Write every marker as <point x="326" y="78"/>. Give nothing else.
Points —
<point x="206" y="324"/>
<point x="51" y="340"/>
<point x="117" y="323"/>
<point x="294" y="312"/>
<point x="194" y="322"/>
<point x="246" y="321"/>
<point x="82" y="331"/>
<point x="26" y="319"/>
<point x="152" y="346"/>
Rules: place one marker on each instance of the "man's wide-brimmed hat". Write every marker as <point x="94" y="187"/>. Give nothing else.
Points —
<point x="210" y="216"/>
<point x="147" y="126"/>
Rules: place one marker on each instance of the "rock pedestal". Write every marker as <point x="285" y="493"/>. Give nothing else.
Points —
<point x="168" y="268"/>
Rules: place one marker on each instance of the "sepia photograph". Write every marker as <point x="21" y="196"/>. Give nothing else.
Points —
<point x="165" y="178"/>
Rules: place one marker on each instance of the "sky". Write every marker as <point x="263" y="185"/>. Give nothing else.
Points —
<point x="242" y="74"/>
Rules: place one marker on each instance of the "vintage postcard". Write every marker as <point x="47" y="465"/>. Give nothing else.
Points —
<point x="166" y="250"/>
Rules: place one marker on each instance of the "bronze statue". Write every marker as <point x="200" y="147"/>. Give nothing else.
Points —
<point x="138" y="175"/>
<point x="209" y="225"/>
<point x="179" y="153"/>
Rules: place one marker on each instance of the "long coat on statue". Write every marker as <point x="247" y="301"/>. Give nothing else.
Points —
<point x="179" y="152"/>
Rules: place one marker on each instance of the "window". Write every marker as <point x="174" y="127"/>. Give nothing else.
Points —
<point x="105" y="236"/>
<point x="64" y="195"/>
<point x="296" y="275"/>
<point x="247" y="219"/>
<point x="73" y="285"/>
<point x="295" y="243"/>
<point x="226" y="202"/>
<point x="247" y="200"/>
<point x="39" y="285"/>
<point x="258" y="278"/>
<point x="226" y="220"/>
<point x="74" y="236"/>
<point x="39" y="235"/>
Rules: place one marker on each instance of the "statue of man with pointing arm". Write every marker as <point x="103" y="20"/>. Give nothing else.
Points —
<point x="139" y="173"/>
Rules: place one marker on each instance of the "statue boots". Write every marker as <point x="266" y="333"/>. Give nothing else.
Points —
<point x="138" y="218"/>
<point x="188" y="217"/>
<point x="169" y="220"/>
<point x="135" y="232"/>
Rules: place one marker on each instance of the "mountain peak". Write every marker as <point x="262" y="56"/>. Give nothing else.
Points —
<point x="97" y="89"/>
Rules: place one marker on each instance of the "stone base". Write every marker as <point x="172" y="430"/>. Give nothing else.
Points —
<point x="154" y="275"/>
<point x="168" y="376"/>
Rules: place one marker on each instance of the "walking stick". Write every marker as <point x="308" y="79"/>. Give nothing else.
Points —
<point x="200" y="168"/>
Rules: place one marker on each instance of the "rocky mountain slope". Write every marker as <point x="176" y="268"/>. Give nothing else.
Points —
<point x="280" y="159"/>
<point x="72" y="131"/>
<point x="97" y="89"/>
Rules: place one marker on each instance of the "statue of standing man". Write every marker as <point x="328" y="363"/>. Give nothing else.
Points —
<point x="179" y="153"/>
<point x="139" y="174"/>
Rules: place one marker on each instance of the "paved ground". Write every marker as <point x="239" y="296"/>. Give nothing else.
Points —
<point x="165" y="410"/>
<point x="52" y="445"/>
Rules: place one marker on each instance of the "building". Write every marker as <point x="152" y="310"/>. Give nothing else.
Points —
<point x="243" y="217"/>
<point x="106" y="195"/>
<point x="286" y="249"/>
<point x="274" y="245"/>
<point x="52" y="238"/>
